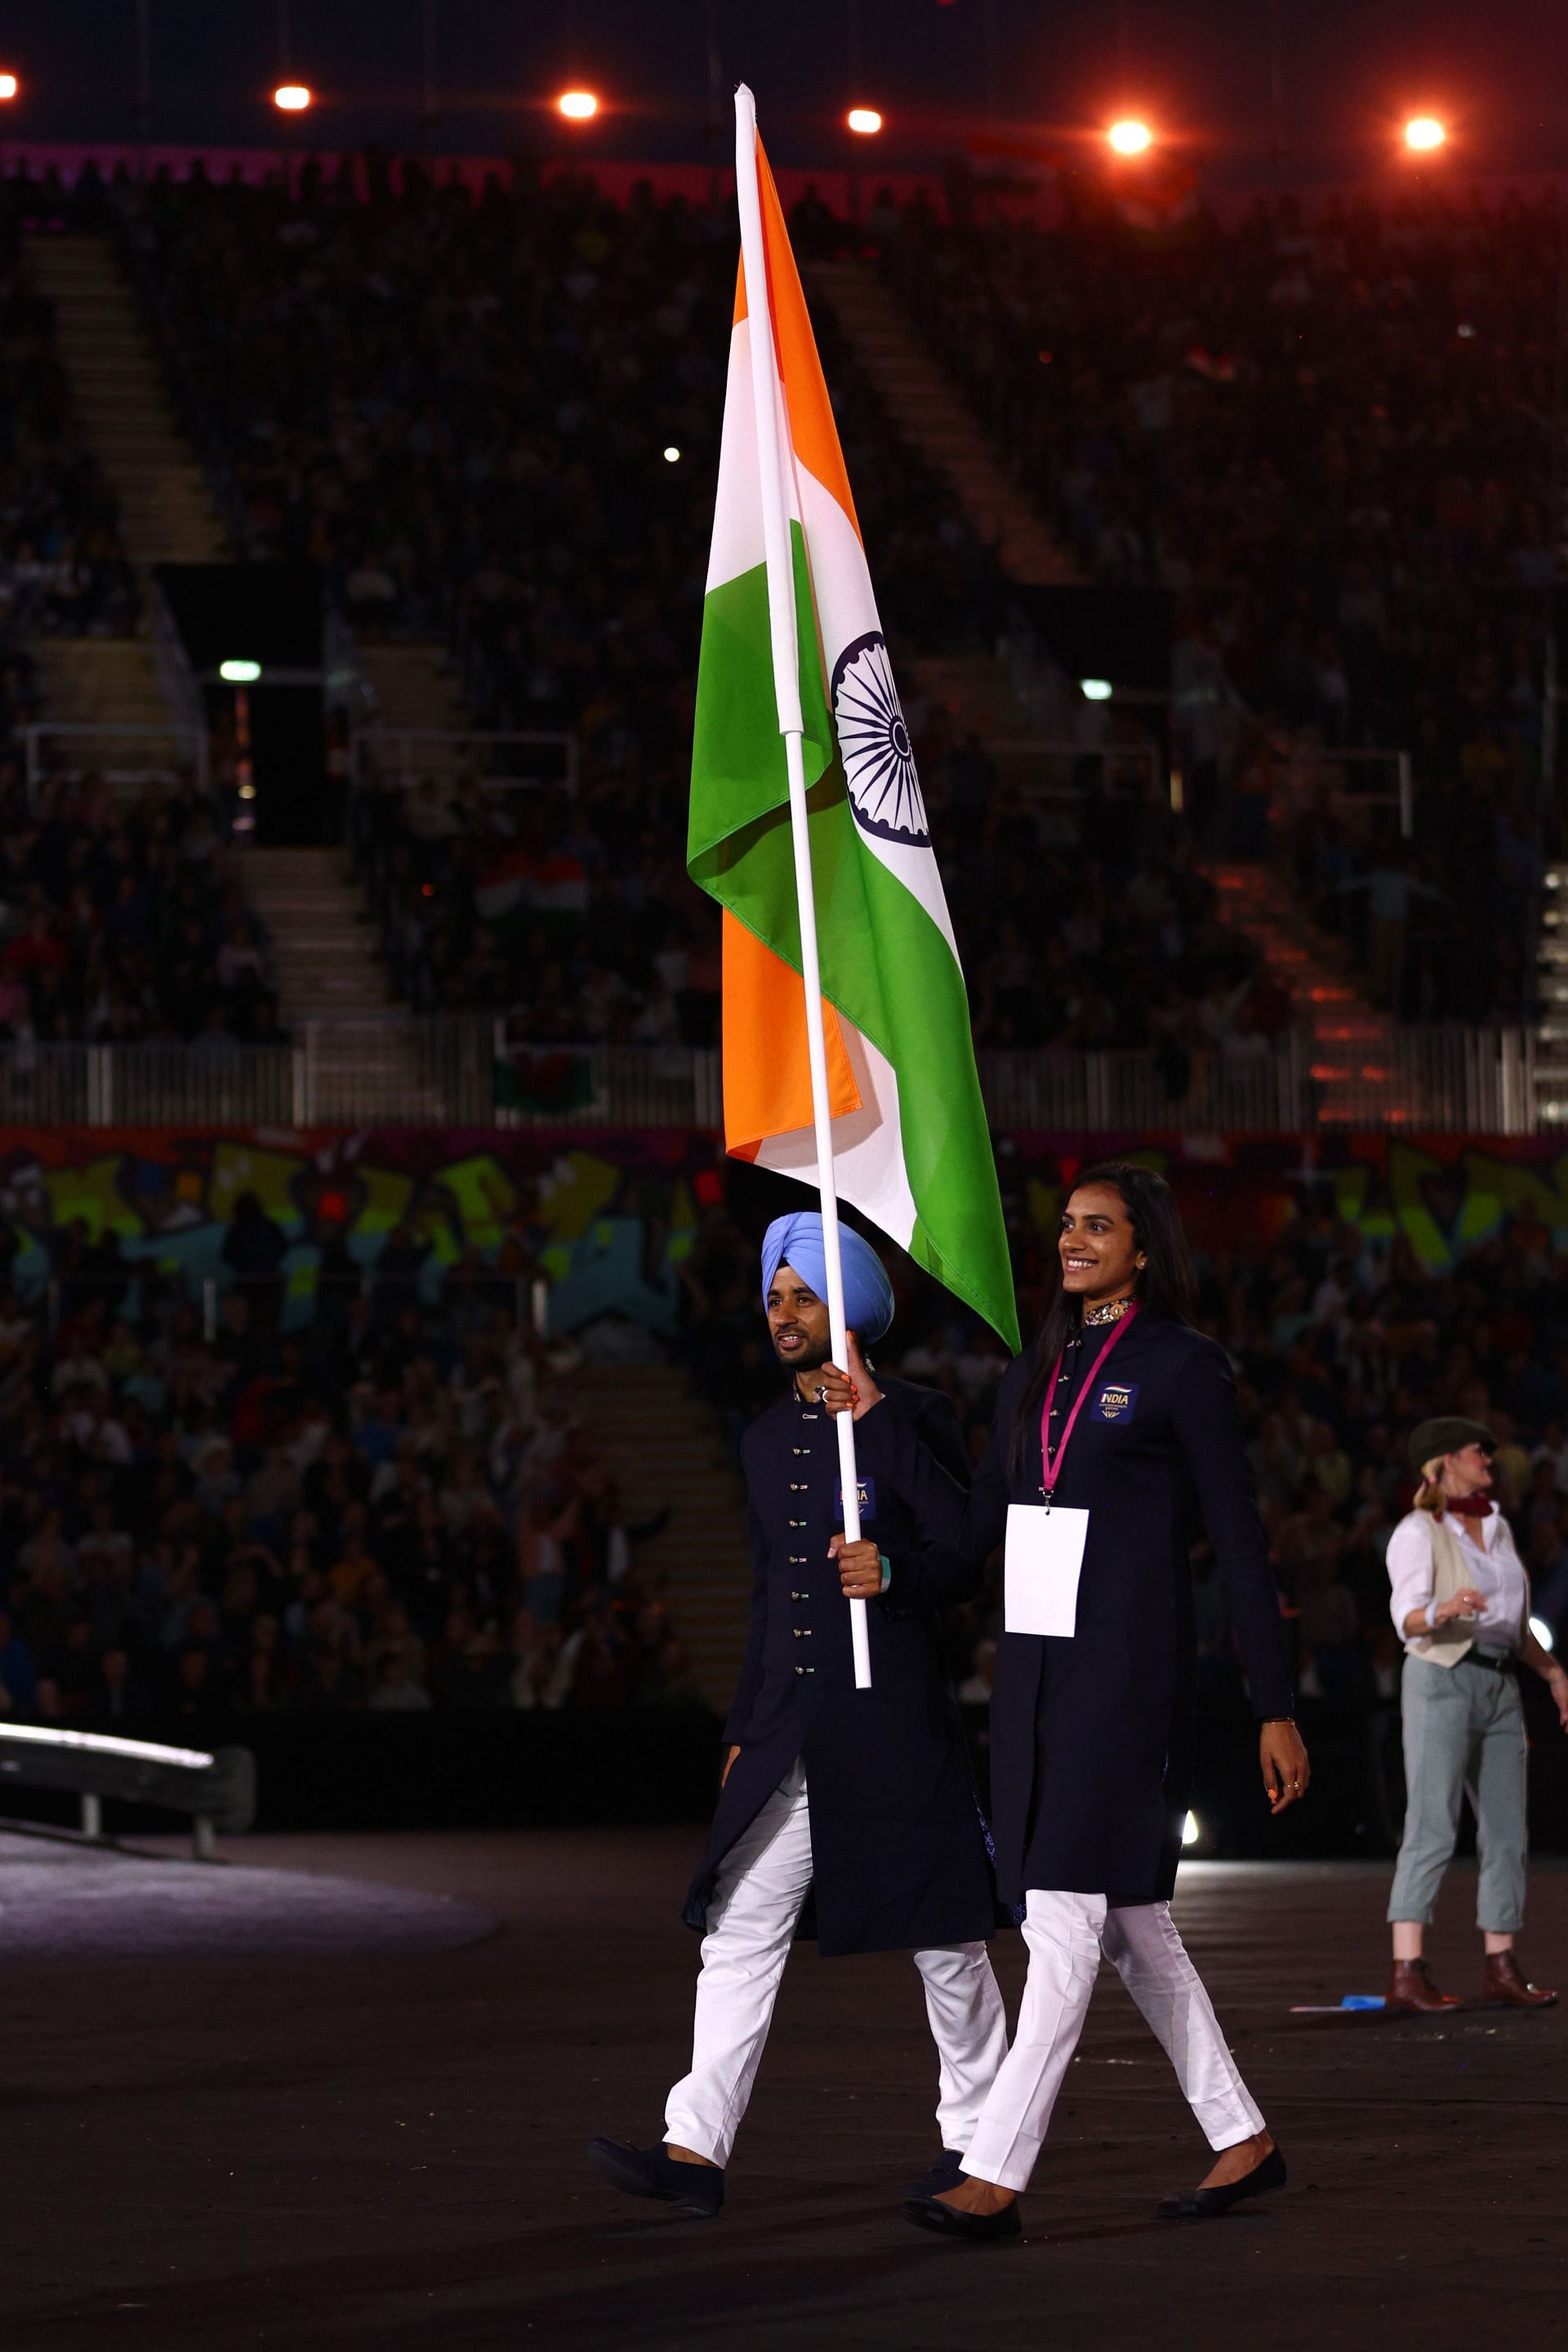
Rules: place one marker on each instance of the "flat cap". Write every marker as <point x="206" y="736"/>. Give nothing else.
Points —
<point x="1448" y="1434"/>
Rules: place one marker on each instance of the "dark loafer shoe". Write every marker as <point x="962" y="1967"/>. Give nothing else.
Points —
<point x="945" y="2173"/>
<point x="697" y="2189"/>
<point x="1208" y="2204"/>
<point x="952" y="2222"/>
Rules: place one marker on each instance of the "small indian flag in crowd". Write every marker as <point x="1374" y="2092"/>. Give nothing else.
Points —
<point x="521" y="889"/>
<point x="910" y="1145"/>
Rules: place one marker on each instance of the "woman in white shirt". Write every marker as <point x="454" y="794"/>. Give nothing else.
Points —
<point x="1461" y="1606"/>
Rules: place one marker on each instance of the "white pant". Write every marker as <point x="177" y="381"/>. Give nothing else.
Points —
<point x="1066" y="1935"/>
<point x="752" y="1920"/>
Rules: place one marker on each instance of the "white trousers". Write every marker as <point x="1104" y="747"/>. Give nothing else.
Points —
<point x="1066" y="1935"/>
<point x="752" y="1921"/>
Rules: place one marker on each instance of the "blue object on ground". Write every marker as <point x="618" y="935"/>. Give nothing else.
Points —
<point x="1363" y="2000"/>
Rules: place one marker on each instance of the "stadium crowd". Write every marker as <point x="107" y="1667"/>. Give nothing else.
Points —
<point x="461" y="409"/>
<point x="1326" y="431"/>
<point x="123" y="921"/>
<point x="391" y="1511"/>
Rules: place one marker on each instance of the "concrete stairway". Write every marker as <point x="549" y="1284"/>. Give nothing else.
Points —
<point x="1355" y="1057"/>
<point x="107" y="684"/>
<point x="415" y="688"/>
<point x="935" y="420"/>
<point x="669" y="1452"/>
<point x="324" y="948"/>
<point x="362" y="1055"/>
<point x="166" y="515"/>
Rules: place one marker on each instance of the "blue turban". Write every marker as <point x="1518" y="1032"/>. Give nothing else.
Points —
<point x="796" y="1241"/>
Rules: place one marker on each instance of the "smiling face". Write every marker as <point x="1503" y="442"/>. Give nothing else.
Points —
<point x="1100" y="1253"/>
<point x="797" y="1322"/>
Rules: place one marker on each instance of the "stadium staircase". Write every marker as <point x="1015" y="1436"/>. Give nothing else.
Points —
<point x="116" y="389"/>
<point x="931" y="417"/>
<point x="669" y="1453"/>
<point x="1355" y="1063"/>
<point x="415" y="690"/>
<point x="934" y="419"/>
<point x="165" y="514"/>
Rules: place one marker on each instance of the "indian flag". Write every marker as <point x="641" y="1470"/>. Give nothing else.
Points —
<point x="910" y="1147"/>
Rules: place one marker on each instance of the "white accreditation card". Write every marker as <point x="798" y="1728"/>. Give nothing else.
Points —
<point x="1041" y="1565"/>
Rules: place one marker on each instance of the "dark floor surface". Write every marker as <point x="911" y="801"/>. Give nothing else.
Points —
<point x="387" y="2149"/>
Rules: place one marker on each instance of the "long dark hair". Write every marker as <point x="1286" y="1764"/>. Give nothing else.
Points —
<point x="1168" y="1284"/>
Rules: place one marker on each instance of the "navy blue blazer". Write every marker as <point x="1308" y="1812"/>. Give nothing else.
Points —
<point x="1092" y="1737"/>
<point x="899" y="1858"/>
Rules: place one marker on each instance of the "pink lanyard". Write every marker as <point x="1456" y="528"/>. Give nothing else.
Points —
<point x="1053" y="1469"/>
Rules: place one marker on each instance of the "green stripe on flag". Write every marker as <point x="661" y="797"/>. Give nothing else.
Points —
<point x="885" y="963"/>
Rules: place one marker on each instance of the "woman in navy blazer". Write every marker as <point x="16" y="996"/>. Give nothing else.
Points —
<point x="1091" y="1730"/>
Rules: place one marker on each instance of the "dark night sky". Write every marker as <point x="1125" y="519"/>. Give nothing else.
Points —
<point x="1351" y="69"/>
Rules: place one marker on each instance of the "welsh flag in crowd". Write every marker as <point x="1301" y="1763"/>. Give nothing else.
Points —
<point x="911" y="1149"/>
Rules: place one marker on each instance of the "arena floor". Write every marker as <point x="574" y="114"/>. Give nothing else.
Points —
<point x="248" y="2111"/>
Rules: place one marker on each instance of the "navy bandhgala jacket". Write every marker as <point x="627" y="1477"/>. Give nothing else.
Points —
<point x="899" y="1846"/>
<point x="1092" y="1737"/>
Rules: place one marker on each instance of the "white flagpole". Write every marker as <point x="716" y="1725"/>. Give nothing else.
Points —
<point x="767" y="397"/>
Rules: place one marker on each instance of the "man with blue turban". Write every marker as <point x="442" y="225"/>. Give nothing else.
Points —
<point x="849" y="1815"/>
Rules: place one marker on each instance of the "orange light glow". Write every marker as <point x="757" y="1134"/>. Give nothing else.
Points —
<point x="9" y="86"/>
<point x="865" y="119"/>
<point x="1423" y="132"/>
<point x="1130" y="137"/>
<point x="577" y="105"/>
<point x="291" y="98"/>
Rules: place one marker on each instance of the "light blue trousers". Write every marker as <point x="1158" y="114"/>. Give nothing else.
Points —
<point x="1462" y="1723"/>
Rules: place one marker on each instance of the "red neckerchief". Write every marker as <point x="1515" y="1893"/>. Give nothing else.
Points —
<point x="1469" y="1506"/>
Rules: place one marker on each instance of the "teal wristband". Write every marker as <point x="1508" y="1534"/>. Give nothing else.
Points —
<point x="886" y="1569"/>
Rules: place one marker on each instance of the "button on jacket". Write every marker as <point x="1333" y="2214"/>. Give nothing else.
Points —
<point x="1091" y="1736"/>
<point x="898" y="1848"/>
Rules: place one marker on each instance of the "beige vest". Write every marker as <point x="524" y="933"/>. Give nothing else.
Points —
<point x="1449" y="1575"/>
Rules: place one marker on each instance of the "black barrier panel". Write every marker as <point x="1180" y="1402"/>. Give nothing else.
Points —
<point x="495" y="1769"/>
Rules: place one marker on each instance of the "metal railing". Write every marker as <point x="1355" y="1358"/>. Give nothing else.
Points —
<point x="411" y="753"/>
<point x="1319" y="761"/>
<point x="1436" y="1080"/>
<point x="460" y="1070"/>
<point x="123" y="756"/>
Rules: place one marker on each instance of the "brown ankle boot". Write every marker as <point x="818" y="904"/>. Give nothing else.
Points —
<point x="1410" y="1987"/>
<point x="1506" y="1980"/>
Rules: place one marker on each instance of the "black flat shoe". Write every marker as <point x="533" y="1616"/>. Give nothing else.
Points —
<point x="945" y="2173"/>
<point x="1208" y="2204"/>
<point x="952" y="2222"/>
<point x="696" y="2188"/>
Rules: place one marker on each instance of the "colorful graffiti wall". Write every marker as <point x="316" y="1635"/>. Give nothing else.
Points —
<point x="608" y="1219"/>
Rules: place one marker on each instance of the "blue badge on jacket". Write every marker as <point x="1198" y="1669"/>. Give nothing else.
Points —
<point x="867" y="1488"/>
<point x="1115" y="1402"/>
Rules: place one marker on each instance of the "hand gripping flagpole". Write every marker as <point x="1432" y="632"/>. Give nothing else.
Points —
<point x="768" y="401"/>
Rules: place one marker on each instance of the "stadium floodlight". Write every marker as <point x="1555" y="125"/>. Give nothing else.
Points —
<point x="1130" y="137"/>
<point x="291" y="98"/>
<point x="1095" y="689"/>
<point x="577" y="105"/>
<point x="865" y="119"/>
<point x="9" y="86"/>
<point x="672" y="455"/>
<point x="1423" y="132"/>
<point x="1192" y="1830"/>
<point x="1543" y="1632"/>
<point x="239" y="673"/>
